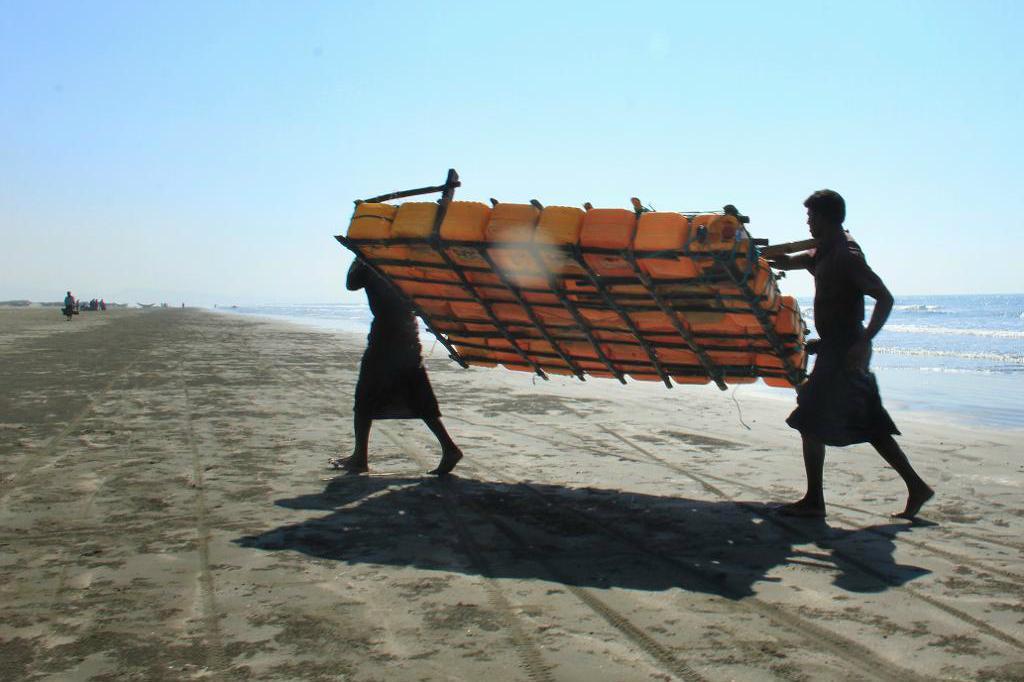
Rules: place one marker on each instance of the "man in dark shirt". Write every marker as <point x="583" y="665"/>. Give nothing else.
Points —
<point x="393" y="383"/>
<point x="839" y="403"/>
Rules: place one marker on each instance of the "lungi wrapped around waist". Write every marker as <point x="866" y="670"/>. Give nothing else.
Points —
<point x="839" y="405"/>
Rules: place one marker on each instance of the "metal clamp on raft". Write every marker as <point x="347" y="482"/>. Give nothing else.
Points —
<point x="663" y="296"/>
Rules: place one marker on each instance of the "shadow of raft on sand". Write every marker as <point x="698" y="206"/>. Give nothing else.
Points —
<point x="577" y="536"/>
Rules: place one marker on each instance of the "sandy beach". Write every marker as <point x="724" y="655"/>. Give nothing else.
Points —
<point x="167" y="514"/>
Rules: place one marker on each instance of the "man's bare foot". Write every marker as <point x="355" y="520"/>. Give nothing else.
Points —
<point x="915" y="501"/>
<point x="802" y="509"/>
<point x="449" y="458"/>
<point x="352" y="465"/>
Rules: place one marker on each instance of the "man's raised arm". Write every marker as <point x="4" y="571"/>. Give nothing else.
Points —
<point x="796" y="261"/>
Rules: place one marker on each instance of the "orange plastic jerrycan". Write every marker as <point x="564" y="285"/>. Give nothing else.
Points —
<point x="608" y="228"/>
<point x="473" y="354"/>
<point x="652" y="321"/>
<point x="511" y="225"/>
<point x="760" y="282"/>
<point x="775" y="364"/>
<point x="373" y="221"/>
<point x="415" y="220"/>
<point x="549" y="357"/>
<point x="558" y="229"/>
<point x="695" y="378"/>
<point x="665" y="232"/>
<point x="722" y="237"/>
<point x="764" y="286"/>
<point x="473" y="316"/>
<point x="466" y="221"/>
<point x="788" y="322"/>
<point x="713" y="323"/>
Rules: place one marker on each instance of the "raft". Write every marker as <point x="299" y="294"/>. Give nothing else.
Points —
<point x="681" y="298"/>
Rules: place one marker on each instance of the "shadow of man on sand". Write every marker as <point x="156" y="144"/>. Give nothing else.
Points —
<point x="577" y="536"/>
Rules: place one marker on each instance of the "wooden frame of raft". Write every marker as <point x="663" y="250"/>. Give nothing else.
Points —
<point x="632" y="291"/>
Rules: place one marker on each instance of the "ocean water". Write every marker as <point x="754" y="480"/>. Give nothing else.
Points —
<point x="959" y="357"/>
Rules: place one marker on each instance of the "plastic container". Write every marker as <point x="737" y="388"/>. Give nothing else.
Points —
<point x="761" y="282"/>
<point x="415" y="219"/>
<point x="608" y="228"/>
<point x="789" y="325"/>
<point x="698" y="379"/>
<point x="771" y="362"/>
<point x="511" y="312"/>
<point x="515" y="224"/>
<point x="559" y="225"/>
<point x="466" y="221"/>
<point x="664" y="232"/>
<point x="653" y="321"/>
<point x="788" y="321"/>
<point x="411" y="281"/>
<point x="718" y="238"/>
<point x="372" y="221"/>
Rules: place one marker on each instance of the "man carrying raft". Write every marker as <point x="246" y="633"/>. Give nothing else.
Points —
<point x="393" y="383"/>
<point x="839" y="404"/>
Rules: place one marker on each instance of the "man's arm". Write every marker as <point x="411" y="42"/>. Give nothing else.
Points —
<point x="883" y="306"/>
<point x="872" y="285"/>
<point x="356" y="275"/>
<point x="796" y="261"/>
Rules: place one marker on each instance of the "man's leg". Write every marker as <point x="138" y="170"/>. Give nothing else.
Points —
<point x="813" y="503"/>
<point x="358" y="462"/>
<point x="918" y="491"/>
<point x="450" y="453"/>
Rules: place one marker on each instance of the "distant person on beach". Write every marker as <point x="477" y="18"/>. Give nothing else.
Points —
<point x="392" y="382"/>
<point x="839" y="404"/>
<point x="69" y="305"/>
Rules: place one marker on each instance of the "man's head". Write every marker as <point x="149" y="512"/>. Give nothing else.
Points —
<point x="826" y="211"/>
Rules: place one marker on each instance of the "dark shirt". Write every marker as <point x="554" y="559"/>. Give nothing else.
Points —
<point x="838" y="268"/>
<point x="389" y="308"/>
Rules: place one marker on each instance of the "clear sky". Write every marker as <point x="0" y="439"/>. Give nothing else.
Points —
<point x="208" y="151"/>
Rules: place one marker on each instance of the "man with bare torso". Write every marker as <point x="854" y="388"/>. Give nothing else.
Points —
<point x="839" y="404"/>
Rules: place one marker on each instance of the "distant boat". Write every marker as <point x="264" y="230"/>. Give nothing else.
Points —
<point x="145" y="305"/>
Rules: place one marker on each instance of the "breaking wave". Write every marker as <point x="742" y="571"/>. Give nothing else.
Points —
<point x="1005" y="358"/>
<point x="919" y="308"/>
<point x="954" y="331"/>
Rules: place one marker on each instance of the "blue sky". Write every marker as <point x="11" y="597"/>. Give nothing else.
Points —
<point x="207" y="151"/>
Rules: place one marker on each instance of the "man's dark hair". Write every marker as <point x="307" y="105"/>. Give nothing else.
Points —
<point x="828" y="204"/>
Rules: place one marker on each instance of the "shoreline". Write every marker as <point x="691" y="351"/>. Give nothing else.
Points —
<point x="907" y="395"/>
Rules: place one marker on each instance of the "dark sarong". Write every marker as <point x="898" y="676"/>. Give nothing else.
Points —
<point x="393" y="383"/>
<point x="840" y="406"/>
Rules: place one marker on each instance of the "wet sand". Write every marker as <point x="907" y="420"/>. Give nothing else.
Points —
<point x="167" y="514"/>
